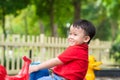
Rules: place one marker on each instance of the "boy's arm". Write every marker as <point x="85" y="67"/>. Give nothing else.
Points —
<point x="47" y="64"/>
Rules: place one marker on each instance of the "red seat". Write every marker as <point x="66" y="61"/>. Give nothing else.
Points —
<point x="22" y="75"/>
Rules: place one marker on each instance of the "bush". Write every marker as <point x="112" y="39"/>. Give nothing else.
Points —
<point x="115" y="52"/>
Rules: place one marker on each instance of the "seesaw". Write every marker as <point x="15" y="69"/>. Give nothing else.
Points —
<point x="22" y="75"/>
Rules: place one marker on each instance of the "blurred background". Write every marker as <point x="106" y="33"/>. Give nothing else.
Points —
<point x="53" y="18"/>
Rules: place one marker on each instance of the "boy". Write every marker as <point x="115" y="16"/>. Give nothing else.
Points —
<point x="71" y="64"/>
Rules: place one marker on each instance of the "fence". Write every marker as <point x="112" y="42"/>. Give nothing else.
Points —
<point x="41" y="48"/>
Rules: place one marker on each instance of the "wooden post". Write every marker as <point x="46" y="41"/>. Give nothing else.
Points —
<point x="42" y="50"/>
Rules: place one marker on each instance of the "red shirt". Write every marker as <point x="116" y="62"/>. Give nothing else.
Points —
<point x="75" y="59"/>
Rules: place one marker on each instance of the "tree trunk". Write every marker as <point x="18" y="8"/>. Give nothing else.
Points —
<point x="4" y="31"/>
<point x="77" y="8"/>
<point x="41" y="27"/>
<point x="53" y="27"/>
<point x="114" y="29"/>
<point x="3" y="22"/>
<point x="26" y="25"/>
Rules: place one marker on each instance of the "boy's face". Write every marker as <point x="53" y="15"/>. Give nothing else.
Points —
<point x="77" y="36"/>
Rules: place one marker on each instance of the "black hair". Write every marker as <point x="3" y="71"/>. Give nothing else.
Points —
<point x="87" y="26"/>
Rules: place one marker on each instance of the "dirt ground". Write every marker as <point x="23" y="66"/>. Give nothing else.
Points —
<point x="107" y="78"/>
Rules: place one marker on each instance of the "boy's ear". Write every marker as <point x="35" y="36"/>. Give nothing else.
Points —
<point x="87" y="38"/>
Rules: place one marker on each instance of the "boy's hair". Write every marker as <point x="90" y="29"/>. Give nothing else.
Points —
<point x="87" y="26"/>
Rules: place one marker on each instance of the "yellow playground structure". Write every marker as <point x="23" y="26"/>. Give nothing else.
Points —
<point x="93" y="65"/>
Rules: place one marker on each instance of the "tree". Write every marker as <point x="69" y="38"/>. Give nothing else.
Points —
<point x="109" y="14"/>
<point x="111" y="10"/>
<point x="45" y="9"/>
<point x="52" y="11"/>
<point x="77" y="9"/>
<point x="11" y="7"/>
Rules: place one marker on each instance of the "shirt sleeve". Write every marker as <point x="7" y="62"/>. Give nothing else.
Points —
<point x="68" y="55"/>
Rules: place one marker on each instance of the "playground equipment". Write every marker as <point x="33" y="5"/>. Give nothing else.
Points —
<point x="22" y="75"/>
<point x="93" y="65"/>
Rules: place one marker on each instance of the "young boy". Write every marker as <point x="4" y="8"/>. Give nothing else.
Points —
<point x="71" y="64"/>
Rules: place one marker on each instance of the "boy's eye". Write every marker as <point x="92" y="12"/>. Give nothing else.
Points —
<point x="72" y="34"/>
<point x="75" y="34"/>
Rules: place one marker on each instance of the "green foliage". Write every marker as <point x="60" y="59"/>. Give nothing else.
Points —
<point x="100" y="12"/>
<point x="26" y="20"/>
<point x="100" y="20"/>
<point x="105" y="30"/>
<point x="56" y="10"/>
<point x="115" y="52"/>
<point x="12" y="6"/>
